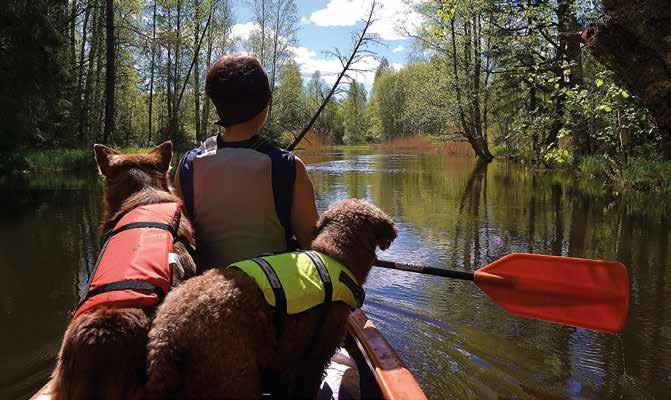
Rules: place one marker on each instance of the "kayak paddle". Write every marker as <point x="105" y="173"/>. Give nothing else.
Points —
<point x="591" y="294"/>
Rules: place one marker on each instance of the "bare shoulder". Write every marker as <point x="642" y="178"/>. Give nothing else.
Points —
<point x="301" y="170"/>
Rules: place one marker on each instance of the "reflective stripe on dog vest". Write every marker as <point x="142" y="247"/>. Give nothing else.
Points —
<point x="300" y="281"/>
<point x="133" y="268"/>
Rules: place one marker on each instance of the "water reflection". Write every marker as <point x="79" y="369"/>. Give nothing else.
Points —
<point x="462" y="214"/>
<point x="451" y="212"/>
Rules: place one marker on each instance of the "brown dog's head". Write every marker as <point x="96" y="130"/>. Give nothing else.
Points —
<point x="127" y="174"/>
<point x="350" y="230"/>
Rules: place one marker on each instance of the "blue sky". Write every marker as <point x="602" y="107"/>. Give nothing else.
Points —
<point x="327" y="24"/>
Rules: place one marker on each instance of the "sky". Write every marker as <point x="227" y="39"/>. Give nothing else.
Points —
<point x="329" y="24"/>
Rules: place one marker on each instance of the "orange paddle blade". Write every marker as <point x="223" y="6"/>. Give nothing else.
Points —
<point x="573" y="291"/>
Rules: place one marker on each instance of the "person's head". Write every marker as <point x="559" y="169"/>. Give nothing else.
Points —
<point x="239" y="90"/>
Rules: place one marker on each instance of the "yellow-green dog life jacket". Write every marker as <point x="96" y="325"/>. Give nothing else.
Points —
<point x="296" y="282"/>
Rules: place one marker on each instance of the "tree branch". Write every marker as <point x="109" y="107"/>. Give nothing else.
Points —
<point x="342" y="74"/>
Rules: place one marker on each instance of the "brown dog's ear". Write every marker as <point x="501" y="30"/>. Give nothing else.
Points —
<point x="385" y="232"/>
<point x="103" y="155"/>
<point x="164" y="151"/>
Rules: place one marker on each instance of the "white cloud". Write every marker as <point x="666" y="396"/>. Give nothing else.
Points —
<point x="393" y="17"/>
<point x="304" y="21"/>
<point x="244" y="31"/>
<point x="397" y="66"/>
<point x="398" y="49"/>
<point x="329" y="67"/>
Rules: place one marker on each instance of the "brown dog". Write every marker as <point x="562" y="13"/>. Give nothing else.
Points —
<point x="215" y="337"/>
<point x="103" y="355"/>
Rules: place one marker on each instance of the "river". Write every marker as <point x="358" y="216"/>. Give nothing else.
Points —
<point x="451" y="212"/>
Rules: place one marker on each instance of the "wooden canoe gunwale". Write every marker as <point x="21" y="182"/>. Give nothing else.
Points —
<point x="395" y="381"/>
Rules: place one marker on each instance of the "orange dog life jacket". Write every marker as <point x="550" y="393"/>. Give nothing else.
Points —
<point x="133" y="268"/>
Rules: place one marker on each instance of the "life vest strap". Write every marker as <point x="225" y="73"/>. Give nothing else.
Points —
<point x="135" y="225"/>
<point x="128" y="284"/>
<point x="328" y="297"/>
<point x="357" y="291"/>
<point x="323" y="275"/>
<point x="278" y="291"/>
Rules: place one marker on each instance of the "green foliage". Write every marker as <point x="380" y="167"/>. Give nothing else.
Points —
<point x="558" y="158"/>
<point x="600" y="167"/>
<point x="387" y="104"/>
<point x="74" y="159"/>
<point x="34" y="108"/>
<point x="646" y="175"/>
<point x="61" y="160"/>
<point x="288" y="101"/>
<point x="502" y="75"/>
<point x="500" y="150"/>
<point x="614" y="121"/>
<point x="354" y="115"/>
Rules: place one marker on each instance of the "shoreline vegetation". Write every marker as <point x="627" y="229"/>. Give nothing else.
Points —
<point x="524" y="81"/>
<point x="631" y="175"/>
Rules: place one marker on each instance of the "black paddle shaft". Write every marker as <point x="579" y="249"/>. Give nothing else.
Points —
<point x="448" y="273"/>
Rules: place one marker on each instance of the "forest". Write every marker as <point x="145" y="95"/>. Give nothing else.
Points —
<point x="537" y="81"/>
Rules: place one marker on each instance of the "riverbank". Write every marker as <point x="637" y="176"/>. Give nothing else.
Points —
<point x="63" y="160"/>
<point x="634" y="175"/>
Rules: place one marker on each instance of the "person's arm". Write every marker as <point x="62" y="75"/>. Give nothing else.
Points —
<point x="183" y="184"/>
<point x="178" y="182"/>
<point x="304" y="214"/>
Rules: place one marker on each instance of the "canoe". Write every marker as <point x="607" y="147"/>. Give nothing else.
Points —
<point x="367" y="367"/>
<point x="382" y="374"/>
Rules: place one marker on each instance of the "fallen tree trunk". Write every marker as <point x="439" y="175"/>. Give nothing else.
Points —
<point x="634" y="40"/>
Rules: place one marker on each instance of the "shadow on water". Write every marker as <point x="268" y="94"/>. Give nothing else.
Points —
<point x="451" y="212"/>
<point x="48" y="235"/>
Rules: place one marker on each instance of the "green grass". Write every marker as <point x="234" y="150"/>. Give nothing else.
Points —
<point x="646" y="175"/>
<point x="636" y="175"/>
<point x="596" y="167"/>
<point x="74" y="159"/>
<point x="60" y="160"/>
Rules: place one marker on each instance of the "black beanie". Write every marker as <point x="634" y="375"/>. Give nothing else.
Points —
<point x="238" y="87"/>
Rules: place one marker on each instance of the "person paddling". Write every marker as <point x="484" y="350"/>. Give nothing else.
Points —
<point x="245" y="197"/>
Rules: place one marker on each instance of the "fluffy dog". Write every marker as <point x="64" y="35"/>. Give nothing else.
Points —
<point x="103" y="355"/>
<point x="215" y="336"/>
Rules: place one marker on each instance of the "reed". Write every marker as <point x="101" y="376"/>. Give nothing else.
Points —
<point x="422" y="143"/>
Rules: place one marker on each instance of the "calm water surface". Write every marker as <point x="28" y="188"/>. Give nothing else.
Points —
<point x="451" y="212"/>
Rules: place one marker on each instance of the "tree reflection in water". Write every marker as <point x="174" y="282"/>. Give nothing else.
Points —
<point x="451" y="212"/>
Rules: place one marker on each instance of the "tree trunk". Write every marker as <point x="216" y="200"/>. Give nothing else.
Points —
<point x="80" y="77"/>
<point x="73" y="39"/>
<point x="569" y="51"/>
<point x="263" y="33"/>
<point x="204" y="125"/>
<point x="168" y="80"/>
<point x="196" y="68"/>
<point x="98" y="96"/>
<point x="273" y="74"/>
<point x="110" y="71"/>
<point x="89" y="96"/>
<point x="175" y="75"/>
<point x="151" y="77"/>
<point x="633" y="41"/>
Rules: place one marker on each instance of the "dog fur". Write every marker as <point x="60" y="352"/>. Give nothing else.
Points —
<point x="103" y="354"/>
<point x="214" y="336"/>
